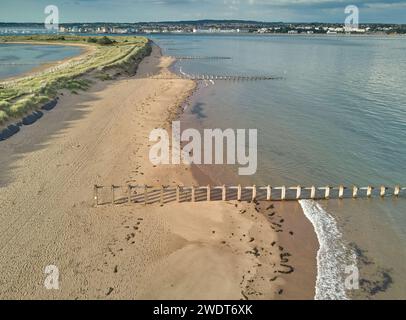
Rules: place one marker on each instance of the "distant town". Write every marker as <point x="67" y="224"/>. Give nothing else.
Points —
<point x="206" y="26"/>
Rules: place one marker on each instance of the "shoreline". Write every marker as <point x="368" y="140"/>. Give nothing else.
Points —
<point x="206" y="251"/>
<point x="300" y="249"/>
<point x="86" y="49"/>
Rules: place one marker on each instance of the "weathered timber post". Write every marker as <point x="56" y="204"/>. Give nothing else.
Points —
<point x="129" y="190"/>
<point x="299" y="192"/>
<point x="268" y="193"/>
<point x="224" y="193"/>
<point x="327" y="194"/>
<point x="313" y="193"/>
<point x="145" y="194"/>
<point x="383" y="191"/>
<point x="397" y="191"/>
<point x="208" y="193"/>
<point x="177" y="193"/>
<point x="113" y="198"/>
<point x="239" y="193"/>
<point x="369" y="191"/>
<point x="254" y="192"/>
<point x="355" y="192"/>
<point x="283" y="193"/>
<point x="162" y="196"/>
<point x="96" y="195"/>
<point x="341" y="192"/>
<point x="193" y="194"/>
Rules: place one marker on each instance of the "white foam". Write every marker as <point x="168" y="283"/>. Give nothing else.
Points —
<point x="333" y="256"/>
<point x="183" y="73"/>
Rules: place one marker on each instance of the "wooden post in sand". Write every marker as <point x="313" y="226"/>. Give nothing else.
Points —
<point x="341" y="192"/>
<point x="313" y="193"/>
<point x="369" y="191"/>
<point x="254" y="192"/>
<point x="96" y="195"/>
<point x="383" y="191"/>
<point x="327" y="194"/>
<point x="283" y="193"/>
<point x="113" y="198"/>
<point x="129" y="190"/>
<point x="177" y="193"/>
<point x="208" y="193"/>
<point x="268" y="193"/>
<point x="162" y="196"/>
<point x="224" y="193"/>
<point x="396" y="193"/>
<point x="145" y="194"/>
<point x="355" y="192"/>
<point x="193" y="194"/>
<point x="299" y="193"/>
<point x="239" y="193"/>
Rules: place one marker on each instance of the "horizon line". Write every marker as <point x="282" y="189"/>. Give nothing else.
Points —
<point x="201" y="20"/>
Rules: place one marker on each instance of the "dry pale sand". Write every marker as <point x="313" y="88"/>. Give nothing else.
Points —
<point x="179" y="251"/>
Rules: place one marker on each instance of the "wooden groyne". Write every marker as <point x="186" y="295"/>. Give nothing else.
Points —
<point x="208" y="77"/>
<point x="200" y="58"/>
<point x="165" y="194"/>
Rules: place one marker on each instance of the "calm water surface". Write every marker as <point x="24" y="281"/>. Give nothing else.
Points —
<point x="337" y="116"/>
<point x="16" y="59"/>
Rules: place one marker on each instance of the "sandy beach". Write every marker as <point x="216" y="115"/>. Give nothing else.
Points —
<point x="211" y="250"/>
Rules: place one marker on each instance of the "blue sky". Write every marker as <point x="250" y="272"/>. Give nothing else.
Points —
<point x="387" y="11"/>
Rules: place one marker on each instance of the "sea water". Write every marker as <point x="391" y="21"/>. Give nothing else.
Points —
<point x="337" y="115"/>
<point x="16" y="59"/>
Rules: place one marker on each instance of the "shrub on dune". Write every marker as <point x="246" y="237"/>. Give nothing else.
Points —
<point x="4" y="105"/>
<point x="21" y="106"/>
<point x="3" y="116"/>
<point x="105" y="41"/>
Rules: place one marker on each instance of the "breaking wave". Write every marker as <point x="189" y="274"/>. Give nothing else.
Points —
<point x="333" y="256"/>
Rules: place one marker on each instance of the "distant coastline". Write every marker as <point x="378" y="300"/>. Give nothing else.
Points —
<point x="213" y="26"/>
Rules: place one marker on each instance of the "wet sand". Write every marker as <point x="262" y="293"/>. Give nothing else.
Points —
<point x="295" y="241"/>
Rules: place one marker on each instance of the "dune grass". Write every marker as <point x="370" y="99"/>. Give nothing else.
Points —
<point x="22" y="95"/>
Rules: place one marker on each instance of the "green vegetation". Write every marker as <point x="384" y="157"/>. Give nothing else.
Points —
<point x="92" y="40"/>
<point x="104" y="76"/>
<point x="19" y="96"/>
<point x="105" y="41"/>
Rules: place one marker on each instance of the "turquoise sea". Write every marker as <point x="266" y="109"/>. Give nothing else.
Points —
<point x="336" y="116"/>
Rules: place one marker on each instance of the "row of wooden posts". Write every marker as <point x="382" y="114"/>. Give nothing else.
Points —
<point x="327" y="192"/>
<point x="225" y="77"/>
<point x="201" y="77"/>
<point x="201" y="57"/>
